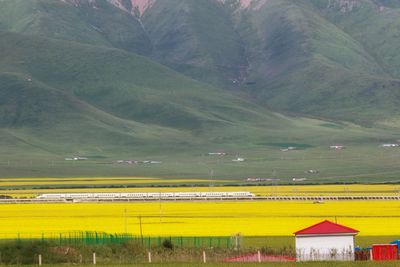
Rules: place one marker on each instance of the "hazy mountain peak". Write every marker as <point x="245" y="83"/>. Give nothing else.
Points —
<point x="242" y="3"/>
<point x="344" y="5"/>
<point x="256" y="4"/>
<point x="138" y="7"/>
<point x="135" y="7"/>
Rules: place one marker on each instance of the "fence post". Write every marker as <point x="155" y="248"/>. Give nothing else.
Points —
<point x="204" y="257"/>
<point x="149" y="256"/>
<point x="94" y="258"/>
<point x="40" y="259"/>
<point x="259" y="256"/>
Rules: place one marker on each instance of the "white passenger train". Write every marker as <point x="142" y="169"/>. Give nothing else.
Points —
<point x="156" y="196"/>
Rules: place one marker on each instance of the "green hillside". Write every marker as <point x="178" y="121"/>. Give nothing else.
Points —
<point x="379" y="35"/>
<point x="98" y="24"/>
<point x="304" y="63"/>
<point x="306" y="57"/>
<point x="211" y="76"/>
<point x="42" y="99"/>
<point x="78" y="94"/>
<point x="64" y="97"/>
<point x="124" y="84"/>
<point x="318" y="58"/>
<point x="44" y="120"/>
<point x="196" y="38"/>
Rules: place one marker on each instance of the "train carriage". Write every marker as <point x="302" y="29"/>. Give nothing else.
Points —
<point x="148" y="196"/>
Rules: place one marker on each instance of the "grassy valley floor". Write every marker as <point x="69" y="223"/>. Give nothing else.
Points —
<point x="355" y="164"/>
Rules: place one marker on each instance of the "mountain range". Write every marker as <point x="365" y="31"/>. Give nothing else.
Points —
<point x="80" y="76"/>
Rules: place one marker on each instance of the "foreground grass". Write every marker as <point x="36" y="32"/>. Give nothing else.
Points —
<point x="285" y="264"/>
<point x="132" y="254"/>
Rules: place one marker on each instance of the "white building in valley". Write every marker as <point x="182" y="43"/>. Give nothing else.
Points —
<point x="325" y="241"/>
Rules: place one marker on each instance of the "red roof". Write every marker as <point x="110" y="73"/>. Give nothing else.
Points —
<point x="326" y="227"/>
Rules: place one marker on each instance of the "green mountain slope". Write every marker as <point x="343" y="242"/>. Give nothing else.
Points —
<point x="67" y="88"/>
<point x="316" y="58"/>
<point x="97" y="23"/>
<point x="61" y="97"/>
<point x="68" y="96"/>
<point x="42" y="119"/>
<point x="379" y="34"/>
<point x="196" y="38"/>
<point x="124" y="84"/>
<point x="303" y="63"/>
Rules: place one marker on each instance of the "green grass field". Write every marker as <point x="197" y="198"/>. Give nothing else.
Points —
<point x="358" y="163"/>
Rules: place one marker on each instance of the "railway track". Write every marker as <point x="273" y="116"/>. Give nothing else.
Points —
<point x="257" y="198"/>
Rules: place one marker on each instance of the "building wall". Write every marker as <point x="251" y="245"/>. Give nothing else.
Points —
<point x="309" y="248"/>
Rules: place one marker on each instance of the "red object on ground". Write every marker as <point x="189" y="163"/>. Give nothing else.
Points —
<point x="264" y="258"/>
<point x="326" y="227"/>
<point x="384" y="252"/>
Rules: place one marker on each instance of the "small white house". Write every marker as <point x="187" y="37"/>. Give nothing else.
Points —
<point x="390" y="145"/>
<point x="337" y="147"/>
<point x="325" y="241"/>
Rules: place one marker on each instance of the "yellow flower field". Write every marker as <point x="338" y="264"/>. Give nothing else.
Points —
<point x="250" y="218"/>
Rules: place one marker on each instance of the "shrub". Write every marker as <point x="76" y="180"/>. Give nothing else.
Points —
<point x="167" y="244"/>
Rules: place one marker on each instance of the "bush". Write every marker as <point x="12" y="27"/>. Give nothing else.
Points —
<point x="21" y="252"/>
<point x="167" y="244"/>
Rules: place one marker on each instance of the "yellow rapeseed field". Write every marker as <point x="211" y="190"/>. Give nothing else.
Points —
<point x="250" y="218"/>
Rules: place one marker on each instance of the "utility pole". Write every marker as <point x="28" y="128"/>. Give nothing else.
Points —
<point x="125" y="221"/>
<point x="141" y="231"/>
<point x="160" y="208"/>
<point x="211" y="177"/>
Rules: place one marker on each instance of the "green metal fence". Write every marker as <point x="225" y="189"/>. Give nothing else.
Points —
<point x="192" y="242"/>
<point x="98" y="238"/>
